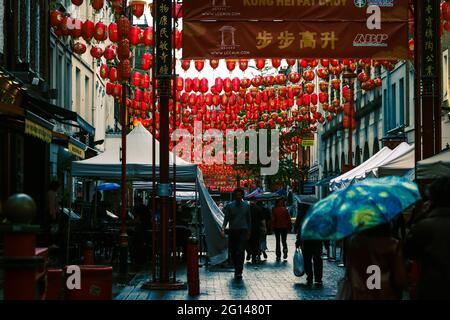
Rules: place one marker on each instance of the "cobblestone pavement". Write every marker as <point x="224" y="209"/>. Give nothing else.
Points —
<point x="268" y="281"/>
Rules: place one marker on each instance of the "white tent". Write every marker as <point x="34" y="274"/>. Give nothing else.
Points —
<point x="360" y="171"/>
<point x="398" y="166"/>
<point x="107" y="165"/>
<point x="435" y="167"/>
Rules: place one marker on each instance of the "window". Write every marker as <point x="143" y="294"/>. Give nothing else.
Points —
<point x="59" y="78"/>
<point x="23" y="24"/>
<point x="67" y="86"/>
<point x="77" y="90"/>
<point x="386" y="108"/>
<point x="402" y="100"/>
<point x="87" y="99"/>
<point x="35" y="37"/>
<point x="445" y="75"/>
<point x="393" y="107"/>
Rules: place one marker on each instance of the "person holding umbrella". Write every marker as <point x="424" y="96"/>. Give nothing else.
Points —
<point x="362" y="212"/>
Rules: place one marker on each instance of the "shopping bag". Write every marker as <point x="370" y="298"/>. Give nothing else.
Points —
<point x="344" y="291"/>
<point x="299" y="267"/>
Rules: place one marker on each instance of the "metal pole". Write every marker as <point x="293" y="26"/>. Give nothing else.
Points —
<point x="70" y="218"/>
<point x="154" y="225"/>
<point x="417" y="100"/>
<point x="174" y="199"/>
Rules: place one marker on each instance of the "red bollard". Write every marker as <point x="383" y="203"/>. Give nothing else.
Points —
<point x="88" y="253"/>
<point x="20" y="261"/>
<point x="192" y="267"/>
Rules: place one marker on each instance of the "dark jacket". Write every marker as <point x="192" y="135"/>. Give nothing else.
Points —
<point x="428" y="243"/>
<point x="386" y="253"/>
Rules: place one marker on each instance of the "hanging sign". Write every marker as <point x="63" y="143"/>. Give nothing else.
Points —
<point x="294" y="10"/>
<point x="238" y="39"/>
<point x="73" y="149"/>
<point x="163" y="38"/>
<point x="38" y="131"/>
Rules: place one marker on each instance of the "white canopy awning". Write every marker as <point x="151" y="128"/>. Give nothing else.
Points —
<point x="360" y="171"/>
<point x="398" y="166"/>
<point x="139" y="161"/>
<point x="435" y="167"/>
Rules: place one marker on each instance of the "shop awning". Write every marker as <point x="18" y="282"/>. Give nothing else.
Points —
<point x="435" y="167"/>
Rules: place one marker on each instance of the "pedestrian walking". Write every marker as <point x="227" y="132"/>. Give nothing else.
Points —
<point x="375" y="248"/>
<point x="52" y="208"/>
<point x="427" y="243"/>
<point x="281" y="224"/>
<point x="255" y="234"/>
<point x="265" y="228"/>
<point x="311" y="249"/>
<point x="237" y="214"/>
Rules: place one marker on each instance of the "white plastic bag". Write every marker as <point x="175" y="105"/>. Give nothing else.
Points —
<point x="299" y="267"/>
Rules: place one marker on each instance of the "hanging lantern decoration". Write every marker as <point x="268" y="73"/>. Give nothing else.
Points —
<point x="323" y="73"/>
<point x="308" y="75"/>
<point x="280" y="79"/>
<point x="199" y="65"/>
<point x="56" y="18"/>
<point x="110" y="52"/>
<point x="100" y="33"/>
<point x="97" y="4"/>
<point x="291" y="62"/>
<point x="294" y="77"/>
<point x="76" y="27"/>
<point x="109" y="88"/>
<point x="138" y="7"/>
<point x="136" y="79"/>
<point x="64" y="26"/>
<point x="104" y="71"/>
<point x="243" y="64"/>
<point x="145" y="82"/>
<point x="214" y="63"/>
<point x="363" y="76"/>
<point x="123" y="51"/>
<point x="113" y="32"/>
<point x="260" y="63"/>
<point x="185" y="64"/>
<point x="124" y="27"/>
<point x="124" y="69"/>
<point x="118" y="90"/>
<point x="178" y="39"/>
<point x="96" y="52"/>
<point x="148" y="36"/>
<point x="135" y="32"/>
<point x="231" y="64"/>
<point x="87" y="30"/>
<point x="276" y="63"/>
<point x="146" y="61"/>
<point x="79" y="48"/>
<point x="113" y="74"/>
<point x="77" y="2"/>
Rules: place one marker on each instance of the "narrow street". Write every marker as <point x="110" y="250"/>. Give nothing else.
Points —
<point x="270" y="280"/>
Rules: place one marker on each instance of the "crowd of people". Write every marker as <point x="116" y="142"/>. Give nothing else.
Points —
<point x="412" y="255"/>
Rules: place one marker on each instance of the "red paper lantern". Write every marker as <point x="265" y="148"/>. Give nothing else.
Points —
<point x="280" y="79"/>
<point x="204" y="85"/>
<point x="294" y="77"/>
<point x="79" y="48"/>
<point x="148" y="36"/>
<point x="276" y="63"/>
<point x="199" y="65"/>
<point x="185" y="64"/>
<point x="97" y="4"/>
<point x="231" y="64"/>
<point x="77" y="2"/>
<point x="109" y="88"/>
<point x="96" y="52"/>
<point x="100" y="33"/>
<point x="178" y="39"/>
<point x="65" y="26"/>
<point x="218" y="84"/>
<point x="113" y="74"/>
<point x="243" y="64"/>
<point x="188" y="85"/>
<point x="214" y="63"/>
<point x="124" y="69"/>
<point x="145" y="82"/>
<point x="87" y="30"/>
<point x="135" y="33"/>
<point x="113" y="32"/>
<point x="146" y="62"/>
<point x="124" y="27"/>
<point x="104" y="71"/>
<point x="123" y="51"/>
<point x="260" y="63"/>
<point x="291" y="62"/>
<point x="75" y="28"/>
<point x="56" y="18"/>
<point x="138" y="7"/>
<point x="136" y="79"/>
<point x="445" y="8"/>
<point x="308" y="75"/>
<point x="336" y="84"/>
